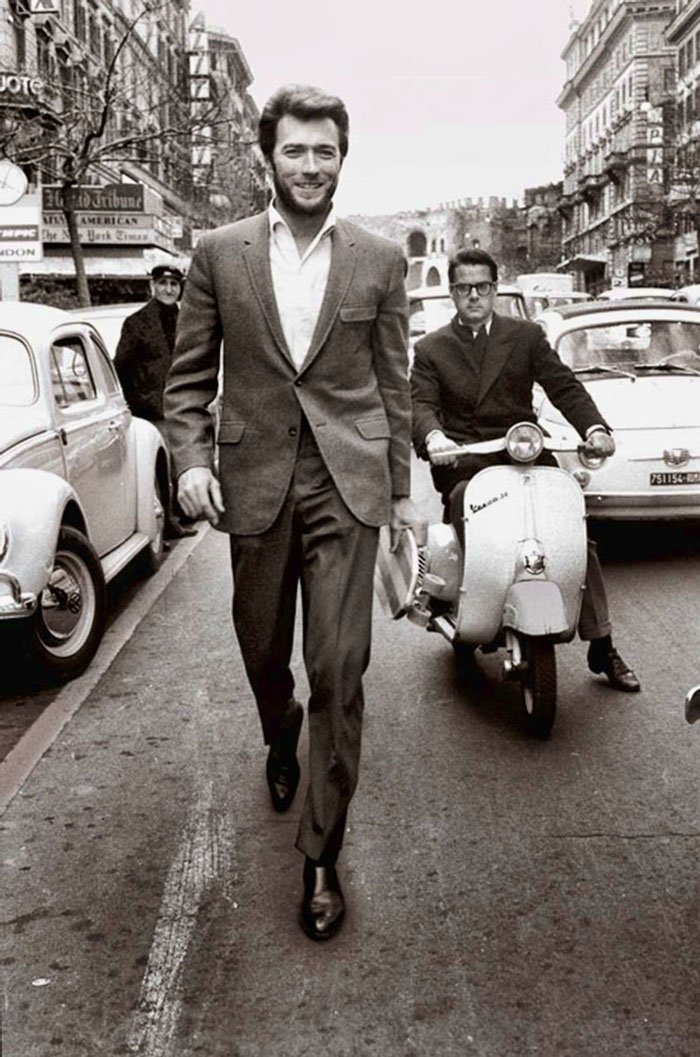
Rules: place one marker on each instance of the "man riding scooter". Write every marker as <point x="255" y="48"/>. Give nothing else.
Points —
<point x="471" y="381"/>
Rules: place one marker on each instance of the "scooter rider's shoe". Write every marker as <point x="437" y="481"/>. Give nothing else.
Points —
<point x="323" y="906"/>
<point x="603" y="659"/>
<point x="282" y="770"/>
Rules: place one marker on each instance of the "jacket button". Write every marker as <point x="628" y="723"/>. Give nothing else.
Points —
<point x="297" y="381"/>
<point x="292" y="431"/>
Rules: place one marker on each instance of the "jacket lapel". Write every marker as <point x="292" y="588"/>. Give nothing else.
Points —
<point x="257" y="259"/>
<point x="339" y="276"/>
<point x="495" y="356"/>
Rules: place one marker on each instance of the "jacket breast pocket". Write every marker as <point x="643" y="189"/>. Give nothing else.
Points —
<point x="230" y="432"/>
<point x="358" y="313"/>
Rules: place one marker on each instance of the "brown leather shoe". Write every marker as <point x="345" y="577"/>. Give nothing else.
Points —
<point x="605" y="660"/>
<point x="323" y="905"/>
<point x="282" y="768"/>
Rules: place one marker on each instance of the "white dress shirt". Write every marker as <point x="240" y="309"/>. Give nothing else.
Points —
<point x="299" y="282"/>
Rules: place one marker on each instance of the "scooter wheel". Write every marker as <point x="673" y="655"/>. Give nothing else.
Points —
<point x="539" y="686"/>
<point x="464" y="654"/>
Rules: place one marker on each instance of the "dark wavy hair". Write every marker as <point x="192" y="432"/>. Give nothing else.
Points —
<point x="307" y="104"/>
<point x="480" y="257"/>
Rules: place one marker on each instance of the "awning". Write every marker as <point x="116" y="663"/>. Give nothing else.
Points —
<point x="99" y="267"/>
<point x="583" y="261"/>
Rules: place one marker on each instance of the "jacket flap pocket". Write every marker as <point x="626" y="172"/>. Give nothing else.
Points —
<point x="230" y="432"/>
<point x="358" y="313"/>
<point x="373" y="428"/>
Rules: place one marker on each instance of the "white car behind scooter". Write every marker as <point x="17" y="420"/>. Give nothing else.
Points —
<point x="520" y="582"/>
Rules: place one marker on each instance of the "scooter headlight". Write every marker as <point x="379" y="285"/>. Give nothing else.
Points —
<point x="524" y="442"/>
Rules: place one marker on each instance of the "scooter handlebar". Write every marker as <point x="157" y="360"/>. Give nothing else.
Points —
<point x="487" y="447"/>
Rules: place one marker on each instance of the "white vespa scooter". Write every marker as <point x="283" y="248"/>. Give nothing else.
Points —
<point x="520" y="582"/>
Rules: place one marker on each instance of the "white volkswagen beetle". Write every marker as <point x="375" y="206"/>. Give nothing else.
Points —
<point x="641" y="364"/>
<point x="83" y="486"/>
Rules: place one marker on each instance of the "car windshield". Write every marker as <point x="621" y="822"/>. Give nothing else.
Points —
<point x="429" y="313"/>
<point x="17" y="378"/>
<point x="632" y="345"/>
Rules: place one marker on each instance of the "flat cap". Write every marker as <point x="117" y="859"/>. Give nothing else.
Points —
<point x="167" y="271"/>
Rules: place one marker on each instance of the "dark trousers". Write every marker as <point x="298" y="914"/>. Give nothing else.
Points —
<point x="316" y="544"/>
<point x="594" y="619"/>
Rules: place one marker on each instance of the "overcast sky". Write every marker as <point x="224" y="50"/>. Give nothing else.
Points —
<point x="449" y="99"/>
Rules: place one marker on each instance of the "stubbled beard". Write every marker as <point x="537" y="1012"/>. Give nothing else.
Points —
<point x="293" y="206"/>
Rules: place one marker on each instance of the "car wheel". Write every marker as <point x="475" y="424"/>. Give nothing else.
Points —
<point x="70" y="618"/>
<point x="153" y="554"/>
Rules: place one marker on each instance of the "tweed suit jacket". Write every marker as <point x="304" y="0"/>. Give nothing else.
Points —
<point x="142" y="361"/>
<point x="448" y="395"/>
<point x="352" y="388"/>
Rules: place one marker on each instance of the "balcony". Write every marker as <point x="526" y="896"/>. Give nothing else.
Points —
<point x="615" y="163"/>
<point x="591" y="186"/>
<point x="565" y="205"/>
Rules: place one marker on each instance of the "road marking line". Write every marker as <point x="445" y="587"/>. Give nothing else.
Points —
<point x="203" y="856"/>
<point x="25" y="755"/>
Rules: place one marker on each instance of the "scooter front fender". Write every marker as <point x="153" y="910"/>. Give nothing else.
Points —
<point x="536" y="608"/>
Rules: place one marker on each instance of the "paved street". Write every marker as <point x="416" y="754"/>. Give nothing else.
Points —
<point x="506" y="897"/>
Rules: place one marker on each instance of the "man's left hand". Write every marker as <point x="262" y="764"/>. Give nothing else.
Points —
<point x="600" y="443"/>
<point x="404" y="515"/>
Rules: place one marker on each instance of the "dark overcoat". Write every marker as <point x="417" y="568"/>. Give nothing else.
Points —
<point x="143" y="360"/>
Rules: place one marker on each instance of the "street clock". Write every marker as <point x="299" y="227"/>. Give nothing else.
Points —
<point x="13" y="182"/>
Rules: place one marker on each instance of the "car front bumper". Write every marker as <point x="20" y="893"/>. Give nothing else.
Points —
<point x="638" y="506"/>
<point x="14" y="602"/>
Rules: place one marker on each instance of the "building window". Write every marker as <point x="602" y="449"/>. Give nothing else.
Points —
<point x="43" y="54"/>
<point x="108" y="43"/>
<point x="80" y="21"/>
<point x="95" y="35"/>
<point x="417" y="244"/>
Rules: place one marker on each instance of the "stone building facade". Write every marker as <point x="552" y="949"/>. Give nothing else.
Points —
<point x="229" y="173"/>
<point x="683" y="34"/>
<point x="521" y="238"/>
<point x="618" y="102"/>
<point x="138" y="202"/>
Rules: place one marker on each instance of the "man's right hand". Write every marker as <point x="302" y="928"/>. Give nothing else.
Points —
<point x="199" y="494"/>
<point x="440" y="449"/>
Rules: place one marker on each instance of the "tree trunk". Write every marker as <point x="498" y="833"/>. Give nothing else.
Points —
<point x="68" y="201"/>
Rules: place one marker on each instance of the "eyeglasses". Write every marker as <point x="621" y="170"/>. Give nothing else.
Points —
<point x="464" y="289"/>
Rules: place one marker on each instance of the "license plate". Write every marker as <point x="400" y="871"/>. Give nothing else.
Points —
<point x="679" y="477"/>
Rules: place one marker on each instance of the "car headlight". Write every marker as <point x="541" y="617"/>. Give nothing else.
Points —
<point x="4" y="540"/>
<point x="524" y="442"/>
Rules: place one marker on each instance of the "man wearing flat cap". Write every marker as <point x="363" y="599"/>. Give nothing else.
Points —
<point x="144" y="355"/>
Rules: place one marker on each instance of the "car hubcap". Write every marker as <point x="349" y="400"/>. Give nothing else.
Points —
<point x="159" y="513"/>
<point x="67" y="606"/>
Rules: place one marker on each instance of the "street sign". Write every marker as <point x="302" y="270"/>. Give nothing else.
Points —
<point x="20" y="231"/>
